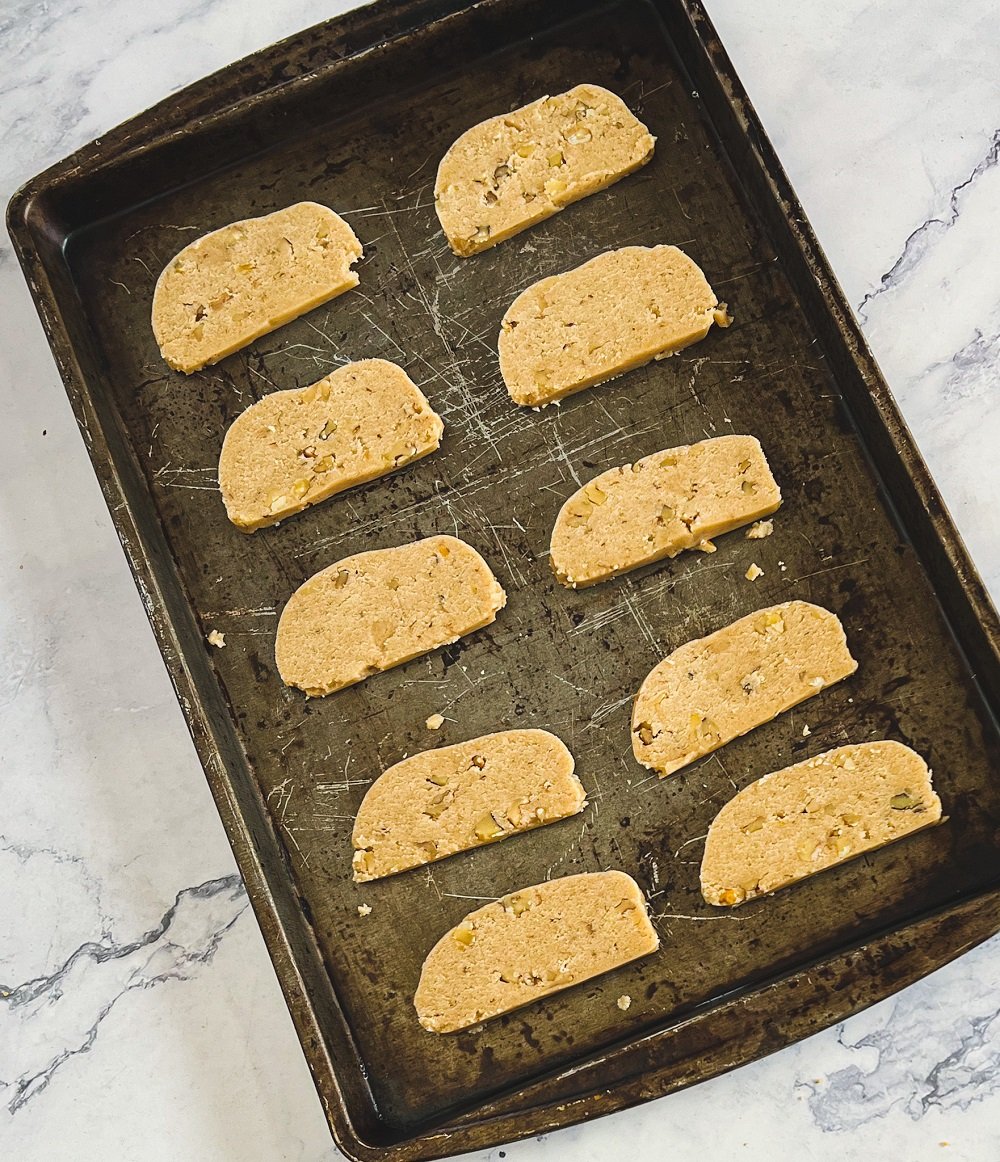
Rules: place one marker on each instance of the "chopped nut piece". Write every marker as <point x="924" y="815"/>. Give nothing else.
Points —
<point x="487" y="828"/>
<point x="362" y="862"/>
<point x="516" y="904"/>
<point x="903" y="802"/>
<point x="439" y="804"/>
<point x="464" y="934"/>
<point x="438" y="778"/>
<point x="770" y="623"/>
<point x="382" y="629"/>
<point x="316" y="391"/>
<point x="595" y="494"/>
<point x="754" y="572"/>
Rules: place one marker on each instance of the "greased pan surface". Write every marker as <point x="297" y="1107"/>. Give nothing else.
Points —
<point x="356" y="114"/>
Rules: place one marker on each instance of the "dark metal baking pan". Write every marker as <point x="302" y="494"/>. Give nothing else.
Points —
<point x="356" y="113"/>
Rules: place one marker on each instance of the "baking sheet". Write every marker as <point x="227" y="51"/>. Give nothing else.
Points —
<point x="850" y="535"/>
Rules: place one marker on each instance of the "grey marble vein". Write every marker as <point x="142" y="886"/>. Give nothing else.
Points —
<point x="96" y="976"/>
<point x="924" y="237"/>
<point x="931" y="1050"/>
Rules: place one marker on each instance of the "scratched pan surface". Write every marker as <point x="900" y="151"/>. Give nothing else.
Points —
<point x="854" y="534"/>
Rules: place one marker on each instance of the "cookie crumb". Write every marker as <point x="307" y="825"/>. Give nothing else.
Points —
<point x="806" y="731"/>
<point x="754" y="572"/>
<point x="364" y="909"/>
<point x="435" y="722"/>
<point x="624" y="1001"/>
<point x="760" y="529"/>
<point x="217" y="639"/>
<point x="705" y="547"/>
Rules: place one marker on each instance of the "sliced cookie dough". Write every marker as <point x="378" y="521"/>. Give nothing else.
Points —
<point x="230" y="287"/>
<point x="505" y="174"/>
<point x="814" y="815"/>
<point x="530" y="944"/>
<point x="616" y="312"/>
<point x="434" y="804"/>
<point x="662" y="504"/>
<point x="713" y="689"/>
<point x="295" y="448"/>
<point x="378" y="609"/>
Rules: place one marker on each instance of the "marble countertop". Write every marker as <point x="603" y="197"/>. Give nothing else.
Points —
<point x="139" y="1014"/>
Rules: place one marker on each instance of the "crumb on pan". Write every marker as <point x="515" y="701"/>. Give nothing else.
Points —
<point x="760" y="529"/>
<point x="624" y="1001"/>
<point x="754" y="572"/>
<point x="364" y="909"/>
<point x="217" y="639"/>
<point x="435" y="722"/>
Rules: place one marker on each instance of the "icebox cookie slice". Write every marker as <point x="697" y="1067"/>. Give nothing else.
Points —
<point x="616" y="312"/>
<point x="813" y="815"/>
<point x="713" y="689"/>
<point x="295" y="448"/>
<point x="230" y="287"/>
<point x="531" y="943"/>
<point x="512" y="171"/>
<point x="662" y="504"/>
<point x="378" y="609"/>
<point x="434" y="804"/>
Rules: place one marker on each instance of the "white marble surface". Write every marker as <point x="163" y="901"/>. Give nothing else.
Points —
<point x="139" y="1016"/>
